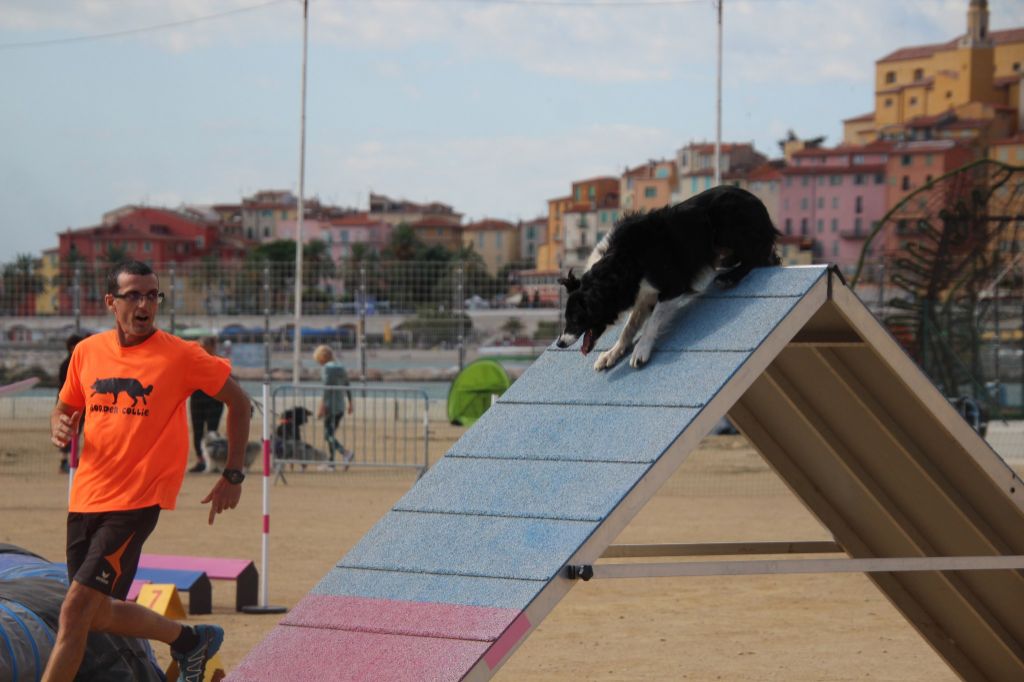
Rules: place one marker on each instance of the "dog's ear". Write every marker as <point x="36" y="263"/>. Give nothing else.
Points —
<point x="570" y="282"/>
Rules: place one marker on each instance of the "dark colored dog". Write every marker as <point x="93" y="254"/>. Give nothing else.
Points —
<point x="650" y="261"/>
<point x="288" y="442"/>
<point x="133" y="387"/>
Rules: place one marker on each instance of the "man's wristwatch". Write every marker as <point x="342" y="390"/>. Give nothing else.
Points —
<point x="234" y="476"/>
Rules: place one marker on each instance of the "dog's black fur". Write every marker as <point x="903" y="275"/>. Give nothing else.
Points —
<point x="669" y="249"/>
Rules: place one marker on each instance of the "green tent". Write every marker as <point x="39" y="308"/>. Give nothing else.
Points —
<point x="471" y="393"/>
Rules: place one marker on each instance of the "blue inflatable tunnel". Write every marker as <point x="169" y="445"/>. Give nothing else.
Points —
<point x="31" y="592"/>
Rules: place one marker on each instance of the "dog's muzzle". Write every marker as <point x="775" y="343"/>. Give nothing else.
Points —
<point x="566" y="340"/>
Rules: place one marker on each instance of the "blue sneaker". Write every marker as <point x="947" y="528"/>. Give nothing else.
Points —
<point x="192" y="665"/>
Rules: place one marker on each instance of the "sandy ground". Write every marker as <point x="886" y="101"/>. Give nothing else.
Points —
<point x="836" y="627"/>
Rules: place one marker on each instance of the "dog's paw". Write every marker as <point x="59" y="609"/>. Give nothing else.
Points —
<point x="607" y="359"/>
<point x="641" y="354"/>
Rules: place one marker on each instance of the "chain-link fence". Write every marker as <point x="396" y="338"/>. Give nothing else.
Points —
<point x="449" y="309"/>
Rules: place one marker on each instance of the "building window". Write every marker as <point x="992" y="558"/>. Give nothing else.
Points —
<point x="890" y="76"/>
<point x="905" y="160"/>
<point x="856" y="226"/>
<point x="821" y="225"/>
<point x="879" y="178"/>
<point x="650" y="192"/>
<point x="858" y="206"/>
<point x="835" y="225"/>
<point x="804" y="180"/>
<point x="918" y="74"/>
<point x="835" y="202"/>
<point x="913" y="101"/>
<point x="693" y="184"/>
<point x="789" y="226"/>
<point x="835" y="249"/>
<point x="906" y="182"/>
<point x="835" y="180"/>
<point x="147" y="246"/>
<point x="804" y="204"/>
<point x="803" y="226"/>
<point x="888" y="101"/>
<point x="497" y="240"/>
<point x="821" y="202"/>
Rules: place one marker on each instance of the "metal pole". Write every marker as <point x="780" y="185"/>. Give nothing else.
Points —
<point x="718" y="102"/>
<point x="266" y="324"/>
<point x="174" y="303"/>
<point x="297" y="346"/>
<point x="361" y="338"/>
<point x="76" y="298"/>
<point x="460" y="307"/>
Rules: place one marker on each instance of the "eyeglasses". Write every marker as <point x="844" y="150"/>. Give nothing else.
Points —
<point x="134" y="297"/>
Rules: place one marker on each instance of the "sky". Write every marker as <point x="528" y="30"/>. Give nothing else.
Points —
<point x="490" y="106"/>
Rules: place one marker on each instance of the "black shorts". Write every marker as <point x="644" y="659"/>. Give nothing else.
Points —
<point x="104" y="548"/>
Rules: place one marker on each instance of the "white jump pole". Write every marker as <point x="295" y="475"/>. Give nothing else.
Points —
<point x="72" y="463"/>
<point x="264" y="605"/>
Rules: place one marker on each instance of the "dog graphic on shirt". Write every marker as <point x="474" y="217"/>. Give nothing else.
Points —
<point x="116" y="386"/>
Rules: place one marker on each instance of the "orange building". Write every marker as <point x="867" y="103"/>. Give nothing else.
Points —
<point x="648" y="186"/>
<point x="593" y="194"/>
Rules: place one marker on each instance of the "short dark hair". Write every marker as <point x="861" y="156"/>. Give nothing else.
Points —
<point x="130" y="267"/>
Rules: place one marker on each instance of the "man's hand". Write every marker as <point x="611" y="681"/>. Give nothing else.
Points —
<point x="63" y="427"/>
<point x="321" y="411"/>
<point x="224" y="496"/>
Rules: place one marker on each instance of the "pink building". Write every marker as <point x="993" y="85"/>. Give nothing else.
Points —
<point x="341" y="232"/>
<point x="834" y="197"/>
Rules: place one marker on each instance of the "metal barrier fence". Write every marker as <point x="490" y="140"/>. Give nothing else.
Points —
<point x="333" y="428"/>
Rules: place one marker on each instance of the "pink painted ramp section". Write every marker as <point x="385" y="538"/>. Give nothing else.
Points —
<point x="419" y="619"/>
<point x="310" y="654"/>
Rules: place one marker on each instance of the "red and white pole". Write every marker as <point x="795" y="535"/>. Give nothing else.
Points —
<point x="72" y="463"/>
<point x="264" y="606"/>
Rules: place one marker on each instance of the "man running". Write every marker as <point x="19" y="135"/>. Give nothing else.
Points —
<point x="133" y="382"/>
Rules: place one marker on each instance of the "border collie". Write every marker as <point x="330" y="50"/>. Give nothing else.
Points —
<point x="651" y="261"/>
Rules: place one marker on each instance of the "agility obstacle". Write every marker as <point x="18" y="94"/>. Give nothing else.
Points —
<point x="454" y="578"/>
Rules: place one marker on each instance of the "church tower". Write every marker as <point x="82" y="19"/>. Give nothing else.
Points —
<point x="976" y="56"/>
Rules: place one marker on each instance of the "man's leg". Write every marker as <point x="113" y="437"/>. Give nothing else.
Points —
<point x="86" y="609"/>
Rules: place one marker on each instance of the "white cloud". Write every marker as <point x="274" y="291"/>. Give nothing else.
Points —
<point x="506" y="177"/>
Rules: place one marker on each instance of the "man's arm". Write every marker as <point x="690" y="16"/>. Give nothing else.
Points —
<point x="224" y="495"/>
<point x="63" y="423"/>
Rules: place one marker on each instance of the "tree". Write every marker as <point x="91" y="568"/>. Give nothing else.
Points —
<point x="21" y="283"/>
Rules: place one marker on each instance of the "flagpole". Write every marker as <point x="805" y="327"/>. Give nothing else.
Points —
<point x="297" y="345"/>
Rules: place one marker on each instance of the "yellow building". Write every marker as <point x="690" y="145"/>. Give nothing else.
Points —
<point x="497" y="242"/>
<point x="969" y="86"/>
<point x="48" y="300"/>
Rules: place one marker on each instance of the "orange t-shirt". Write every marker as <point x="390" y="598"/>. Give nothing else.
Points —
<point x="136" y="431"/>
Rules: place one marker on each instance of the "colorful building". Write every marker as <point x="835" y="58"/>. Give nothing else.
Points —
<point x="696" y="164"/>
<point x="264" y="211"/>
<point x="648" y="186"/>
<point x="157" y="236"/>
<point x="966" y="88"/>
<point x="834" y="197"/>
<point x="531" y="237"/>
<point x="598" y="195"/>
<point x="496" y="241"/>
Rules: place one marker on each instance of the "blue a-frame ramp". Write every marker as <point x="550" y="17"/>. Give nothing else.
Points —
<point x="468" y="563"/>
